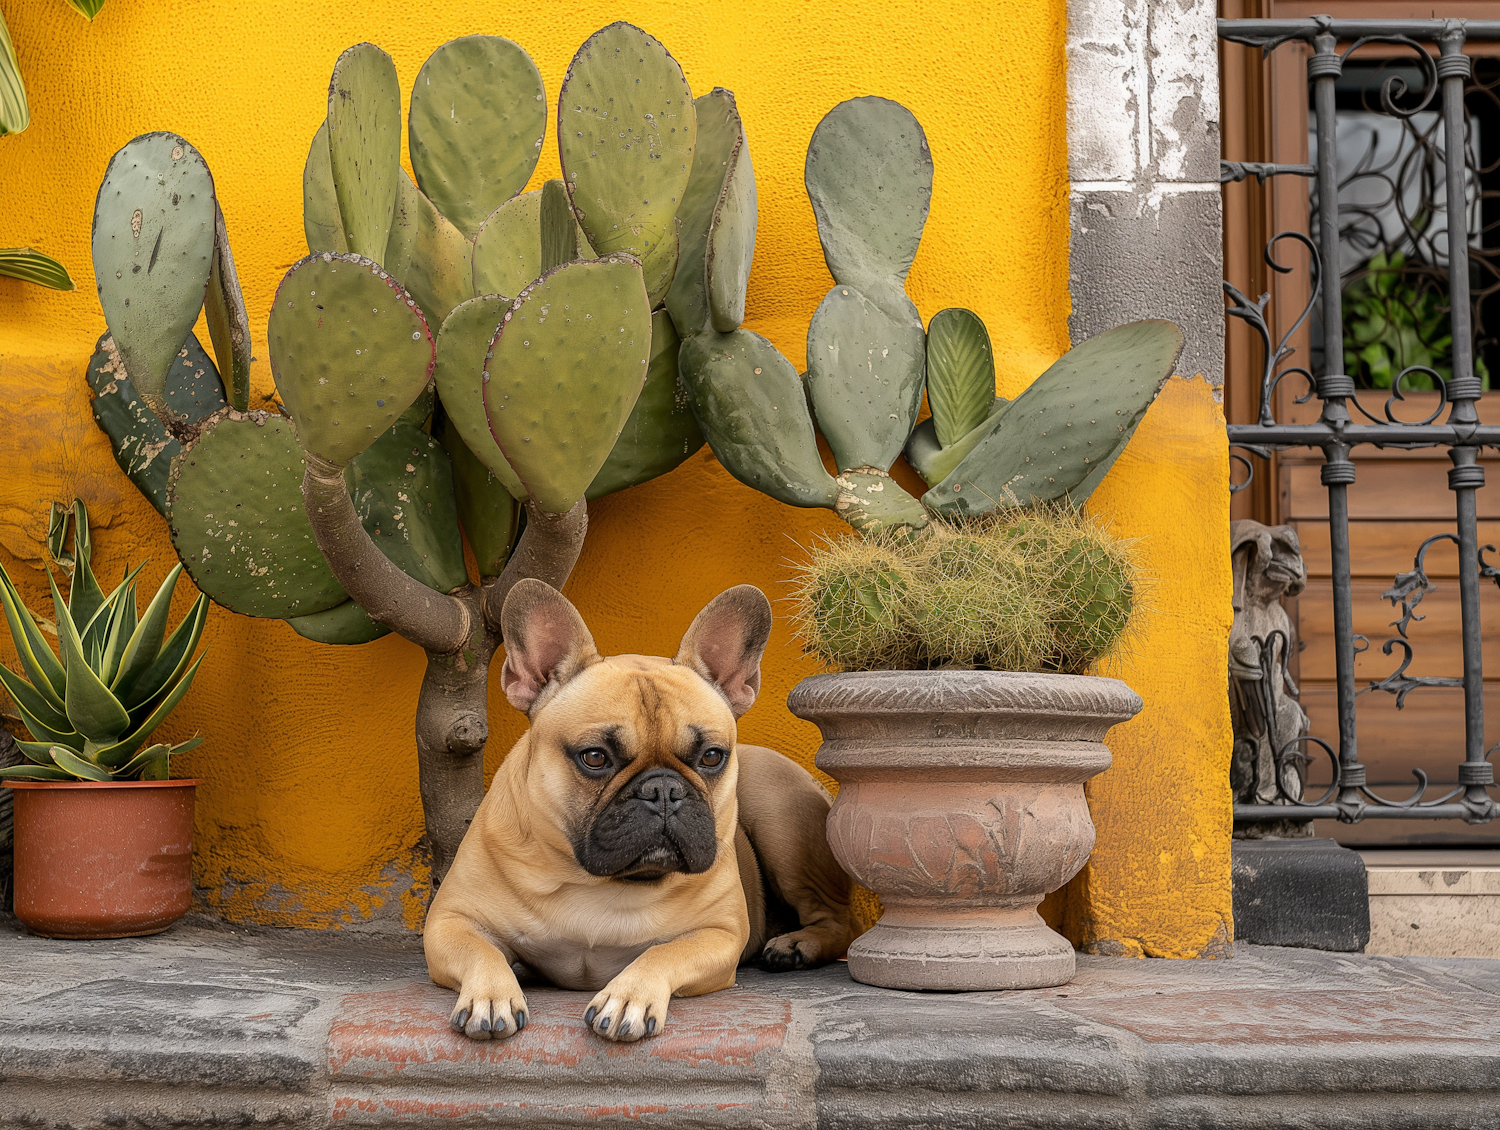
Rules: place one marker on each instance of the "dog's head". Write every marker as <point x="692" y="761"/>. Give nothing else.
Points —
<point x="631" y="759"/>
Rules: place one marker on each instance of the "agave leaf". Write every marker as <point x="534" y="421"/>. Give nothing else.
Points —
<point x="33" y="266"/>
<point x="121" y="627"/>
<point x="38" y="752"/>
<point x="32" y="702"/>
<point x="76" y="766"/>
<point x="98" y="628"/>
<point x="44" y="733"/>
<point x="36" y="773"/>
<point x="145" y="643"/>
<point x="57" y="533"/>
<point x="84" y="596"/>
<point x="118" y="751"/>
<point x="92" y="708"/>
<point x="140" y="762"/>
<point x="87" y="8"/>
<point x="42" y="667"/>
<point x="173" y="657"/>
<point x="15" y="111"/>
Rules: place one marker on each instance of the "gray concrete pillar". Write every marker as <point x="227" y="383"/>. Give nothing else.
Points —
<point x="1143" y="161"/>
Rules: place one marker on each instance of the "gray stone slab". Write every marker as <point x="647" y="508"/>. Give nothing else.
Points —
<point x="205" y="1026"/>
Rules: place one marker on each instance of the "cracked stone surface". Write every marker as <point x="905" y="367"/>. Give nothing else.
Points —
<point x="209" y="1025"/>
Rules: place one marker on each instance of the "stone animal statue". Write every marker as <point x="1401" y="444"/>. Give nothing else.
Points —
<point x="629" y="845"/>
<point x="1266" y="715"/>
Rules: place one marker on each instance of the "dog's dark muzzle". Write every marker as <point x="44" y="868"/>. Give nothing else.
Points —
<point x="658" y="823"/>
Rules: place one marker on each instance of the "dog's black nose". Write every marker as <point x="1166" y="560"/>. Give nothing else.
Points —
<point x="662" y="791"/>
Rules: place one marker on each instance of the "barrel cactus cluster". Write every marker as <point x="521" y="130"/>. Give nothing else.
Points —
<point x="1038" y="589"/>
<point x="459" y="358"/>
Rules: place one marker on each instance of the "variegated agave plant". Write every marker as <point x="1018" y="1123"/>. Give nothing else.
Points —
<point x="91" y="708"/>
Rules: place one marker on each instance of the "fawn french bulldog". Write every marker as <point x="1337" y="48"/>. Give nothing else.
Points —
<point x="628" y="844"/>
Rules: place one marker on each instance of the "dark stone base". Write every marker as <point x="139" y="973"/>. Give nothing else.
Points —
<point x="1305" y="892"/>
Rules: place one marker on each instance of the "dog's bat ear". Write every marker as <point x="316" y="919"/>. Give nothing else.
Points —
<point x="725" y="641"/>
<point x="546" y="642"/>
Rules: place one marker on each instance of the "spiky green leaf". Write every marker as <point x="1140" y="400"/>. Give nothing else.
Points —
<point x="33" y="266"/>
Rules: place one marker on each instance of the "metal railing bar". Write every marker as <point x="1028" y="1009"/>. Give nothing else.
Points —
<point x="1270" y="33"/>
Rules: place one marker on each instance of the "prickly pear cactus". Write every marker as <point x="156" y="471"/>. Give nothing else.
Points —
<point x="234" y="505"/>
<point x="462" y="350"/>
<point x="142" y="446"/>
<point x="350" y="352"/>
<point x="364" y="146"/>
<point x="563" y="373"/>
<point x="1059" y="437"/>
<point x="507" y="252"/>
<point x="661" y="432"/>
<point x="322" y="225"/>
<point x="475" y="127"/>
<point x="626" y="126"/>
<point x="749" y="403"/>
<point x="720" y="135"/>
<point x="153" y="246"/>
<point x="428" y="255"/>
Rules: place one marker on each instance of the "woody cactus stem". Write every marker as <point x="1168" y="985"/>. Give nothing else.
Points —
<point x="459" y="631"/>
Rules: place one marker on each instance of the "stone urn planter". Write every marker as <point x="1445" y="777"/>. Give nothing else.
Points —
<point x="102" y="859"/>
<point x="961" y="805"/>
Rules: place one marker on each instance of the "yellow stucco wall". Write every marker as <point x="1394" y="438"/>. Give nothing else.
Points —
<point x="310" y="813"/>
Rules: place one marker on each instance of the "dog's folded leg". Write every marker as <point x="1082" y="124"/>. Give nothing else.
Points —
<point x="490" y="1003"/>
<point x="634" y="1004"/>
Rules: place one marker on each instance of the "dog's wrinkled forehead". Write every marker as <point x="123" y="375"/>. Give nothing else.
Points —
<point x="646" y="696"/>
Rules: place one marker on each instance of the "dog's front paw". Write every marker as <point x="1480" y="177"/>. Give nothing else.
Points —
<point x="489" y="1011"/>
<point x="628" y="1008"/>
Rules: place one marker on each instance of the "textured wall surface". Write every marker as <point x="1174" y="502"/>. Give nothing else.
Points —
<point x="309" y="813"/>
<point x="1143" y="158"/>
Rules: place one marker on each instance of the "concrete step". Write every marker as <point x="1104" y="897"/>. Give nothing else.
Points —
<point x="1435" y="902"/>
<point x="207" y="1026"/>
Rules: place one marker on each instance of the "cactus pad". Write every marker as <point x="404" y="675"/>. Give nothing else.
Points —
<point x="864" y="372"/>
<point x="142" y="446"/>
<point x="487" y="510"/>
<point x="661" y="431"/>
<point x="428" y="255"/>
<point x="463" y="344"/>
<point x="345" y="623"/>
<point x="475" y="126"/>
<point x="153" y="246"/>
<point x="364" y="146"/>
<point x="234" y="505"/>
<point x="508" y="248"/>
<point x="751" y="406"/>
<point x="563" y="373"/>
<point x="932" y="460"/>
<point x="731" y="243"/>
<point x="625" y="130"/>
<point x="228" y="324"/>
<point x="719" y="134"/>
<point x="559" y="230"/>
<point x="869" y="177"/>
<point x="960" y="374"/>
<point x="322" y="225"/>
<point x="402" y="487"/>
<point x="1058" y="437"/>
<point x="349" y="350"/>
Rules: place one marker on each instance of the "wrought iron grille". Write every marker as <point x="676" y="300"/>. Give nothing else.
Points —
<point x="1433" y="83"/>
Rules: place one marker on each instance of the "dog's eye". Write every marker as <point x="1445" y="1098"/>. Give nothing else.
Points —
<point x="593" y="758"/>
<point x="712" y="758"/>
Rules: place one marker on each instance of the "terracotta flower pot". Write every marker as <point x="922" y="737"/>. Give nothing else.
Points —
<point x="102" y="860"/>
<point x="961" y="805"/>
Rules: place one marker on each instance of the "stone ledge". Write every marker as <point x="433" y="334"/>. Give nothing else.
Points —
<point x="206" y="1025"/>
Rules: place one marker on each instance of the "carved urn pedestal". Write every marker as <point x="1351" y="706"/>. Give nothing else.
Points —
<point x="961" y="805"/>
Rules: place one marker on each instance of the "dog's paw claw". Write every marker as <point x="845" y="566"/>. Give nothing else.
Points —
<point x="488" y="1018"/>
<point x="627" y="1013"/>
